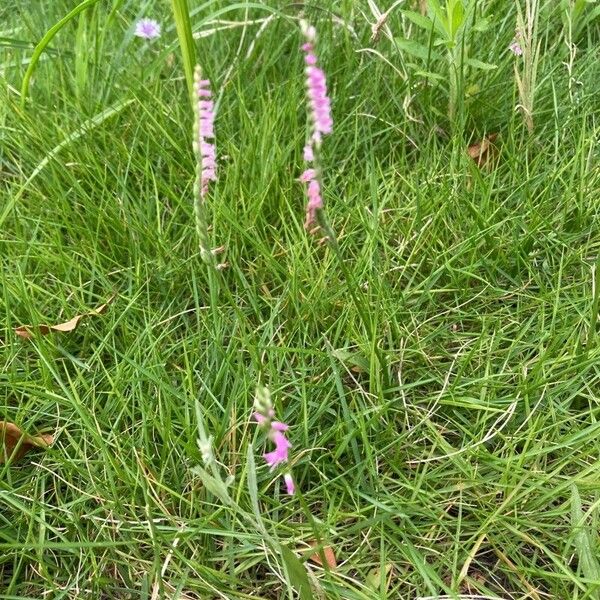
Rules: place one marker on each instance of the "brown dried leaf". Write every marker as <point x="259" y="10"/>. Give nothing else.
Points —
<point x="484" y="152"/>
<point x="27" y="332"/>
<point x="14" y="443"/>
<point x="328" y="554"/>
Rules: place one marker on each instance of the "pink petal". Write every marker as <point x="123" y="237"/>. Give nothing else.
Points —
<point x="308" y="175"/>
<point x="279" y="426"/>
<point x="289" y="484"/>
<point x="260" y="419"/>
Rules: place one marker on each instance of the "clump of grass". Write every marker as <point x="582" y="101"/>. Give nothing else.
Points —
<point x="529" y="44"/>
<point x="474" y="475"/>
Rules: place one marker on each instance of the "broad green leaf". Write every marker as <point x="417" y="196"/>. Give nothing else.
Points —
<point x="456" y="18"/>
<point x="594" y="14"/>
<point x="438" y="17"/>
<point x="378" y="576"/>
<point x="583" y="542"/>
<point x="296" y="572"/>
<point x="478" y="64"/>
<point x="434" y="77"/>
<point x="416" y="49"/>
<point x="418" y="19"/>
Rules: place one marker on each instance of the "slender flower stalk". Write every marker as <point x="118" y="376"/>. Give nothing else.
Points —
<point x="276" y="430"/>
<point x="206" y="161"/>
<point x="320" y="125"/>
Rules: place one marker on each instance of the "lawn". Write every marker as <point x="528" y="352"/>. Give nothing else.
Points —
<point x="438" y="365"/>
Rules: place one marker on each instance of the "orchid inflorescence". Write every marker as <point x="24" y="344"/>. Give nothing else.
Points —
<point x="321" y="123"/>
<point x="263" y="415"/>
<point x="206" y="158"/>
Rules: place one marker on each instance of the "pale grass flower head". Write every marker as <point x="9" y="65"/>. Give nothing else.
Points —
<point x="148" y="29"/>
<point x="515" y="48"/>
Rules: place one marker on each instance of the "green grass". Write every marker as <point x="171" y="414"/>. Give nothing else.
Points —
<point x="475" y="472"/>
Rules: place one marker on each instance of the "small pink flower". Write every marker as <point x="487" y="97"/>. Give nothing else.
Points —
<point x="289" y="483"/>
<point x="309" y="155"/>
<point x="280" y="454"/>
<point x="260" y="419"/>
<point x="308" y="175"/>
<point x="315" y="202"/>
<point x="147" y="29"/>
<point x="516" y="49"/>
<point x="279" y="426"/>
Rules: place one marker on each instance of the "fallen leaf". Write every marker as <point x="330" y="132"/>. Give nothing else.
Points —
<point x="327" y="553"/>
<point x="14" y="443"/>
<point x="28" y="331"/>
<point x="484" y="152"/>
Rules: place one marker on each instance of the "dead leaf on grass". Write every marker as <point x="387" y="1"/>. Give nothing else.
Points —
<point x="328" y="554"/>
<point x="27" y="332"/>
<point x="484" y="152"/>
<point x="15" y="444"/>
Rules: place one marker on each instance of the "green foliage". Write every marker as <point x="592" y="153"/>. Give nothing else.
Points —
<point x="43" y="44"/>
<point x="449" y="26"/>
<point x="482" y="285"/>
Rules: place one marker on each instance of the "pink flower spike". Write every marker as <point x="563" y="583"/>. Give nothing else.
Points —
<point x="289" y="483"/>
<point x="205" y="128"/>
<point x="314" y="194"/>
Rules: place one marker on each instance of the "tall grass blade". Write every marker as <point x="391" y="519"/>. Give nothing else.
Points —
<point x="39" y="49"/>
<point x="181" y="13"/>
<point x="590" y="567"/>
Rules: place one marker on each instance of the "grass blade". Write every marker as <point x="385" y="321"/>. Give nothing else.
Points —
<point x="181" y="13"/>
<point x="590" y="566"/>
<point x="88" y="126"/>
<point x="39" y="49"/>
